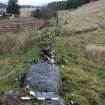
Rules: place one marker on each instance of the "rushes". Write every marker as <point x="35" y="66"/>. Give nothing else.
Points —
<point x="15" y="42"/>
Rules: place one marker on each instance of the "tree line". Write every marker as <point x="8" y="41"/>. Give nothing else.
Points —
<point x="14" y="8"/>
<point x="69" y="4"/>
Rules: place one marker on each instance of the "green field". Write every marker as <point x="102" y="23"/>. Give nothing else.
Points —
<point x="83" y="76"/>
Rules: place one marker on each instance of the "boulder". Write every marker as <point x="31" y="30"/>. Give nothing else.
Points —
<point x="43" y="77"/>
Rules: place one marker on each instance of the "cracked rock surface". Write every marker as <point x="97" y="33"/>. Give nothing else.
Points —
<point x="43" y="77"/>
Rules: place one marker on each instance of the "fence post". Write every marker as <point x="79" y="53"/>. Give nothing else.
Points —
<point x="17" y="28"/>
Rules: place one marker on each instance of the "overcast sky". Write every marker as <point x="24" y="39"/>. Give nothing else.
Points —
<point x="31" y="2"/>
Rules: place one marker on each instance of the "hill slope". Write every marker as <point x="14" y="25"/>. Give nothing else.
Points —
<point x="88" y="16"/>
<point x="83" y="45"/>
<point x="3" y="5"/>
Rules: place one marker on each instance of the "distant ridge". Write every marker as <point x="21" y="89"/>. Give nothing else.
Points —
<point x="3" y="5"/>
<point x="27" y="6"/>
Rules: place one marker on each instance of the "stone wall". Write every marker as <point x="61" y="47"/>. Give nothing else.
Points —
<point x="21" y="24"/>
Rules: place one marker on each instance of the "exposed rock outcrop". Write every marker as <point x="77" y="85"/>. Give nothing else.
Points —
<point x="43" y="77"/>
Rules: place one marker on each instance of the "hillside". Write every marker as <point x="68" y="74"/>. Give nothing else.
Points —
<point x="89" y="16"/>
<point x="83" y="32"/>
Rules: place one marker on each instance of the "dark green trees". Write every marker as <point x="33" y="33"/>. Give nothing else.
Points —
<point x="77" y="3"/>
<point x="69" y="4"/>
<point x="13" y="8"/>
<point x="36" y="13"/>
<point x="59" y="5"/>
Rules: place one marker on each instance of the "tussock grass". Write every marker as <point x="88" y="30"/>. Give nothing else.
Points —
<point x="80" y="87"/>
<point x="17" y="53"/>
<point x="16" y="42"/>
<point x="95" y="51"/>
<point x="83" y="78"/>
<point x="13" y="64"/>
<point x="89" y="16"/>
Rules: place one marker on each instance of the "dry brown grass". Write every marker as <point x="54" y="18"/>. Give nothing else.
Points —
<point x="95" y="51"/>
<point x="27" y="31"/>
<point x="26" y="12"/>
<point x="86" y="17"/>
<point x="15" y="42"/>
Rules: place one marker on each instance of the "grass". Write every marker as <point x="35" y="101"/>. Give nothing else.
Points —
<point x="89" y="16"/>
<point x="11" y="66"/>
<point x="16" y="42"/>
<point x="17" y="52"/>
<point x="83" y="77"/>
<point x="13" y="62"/>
